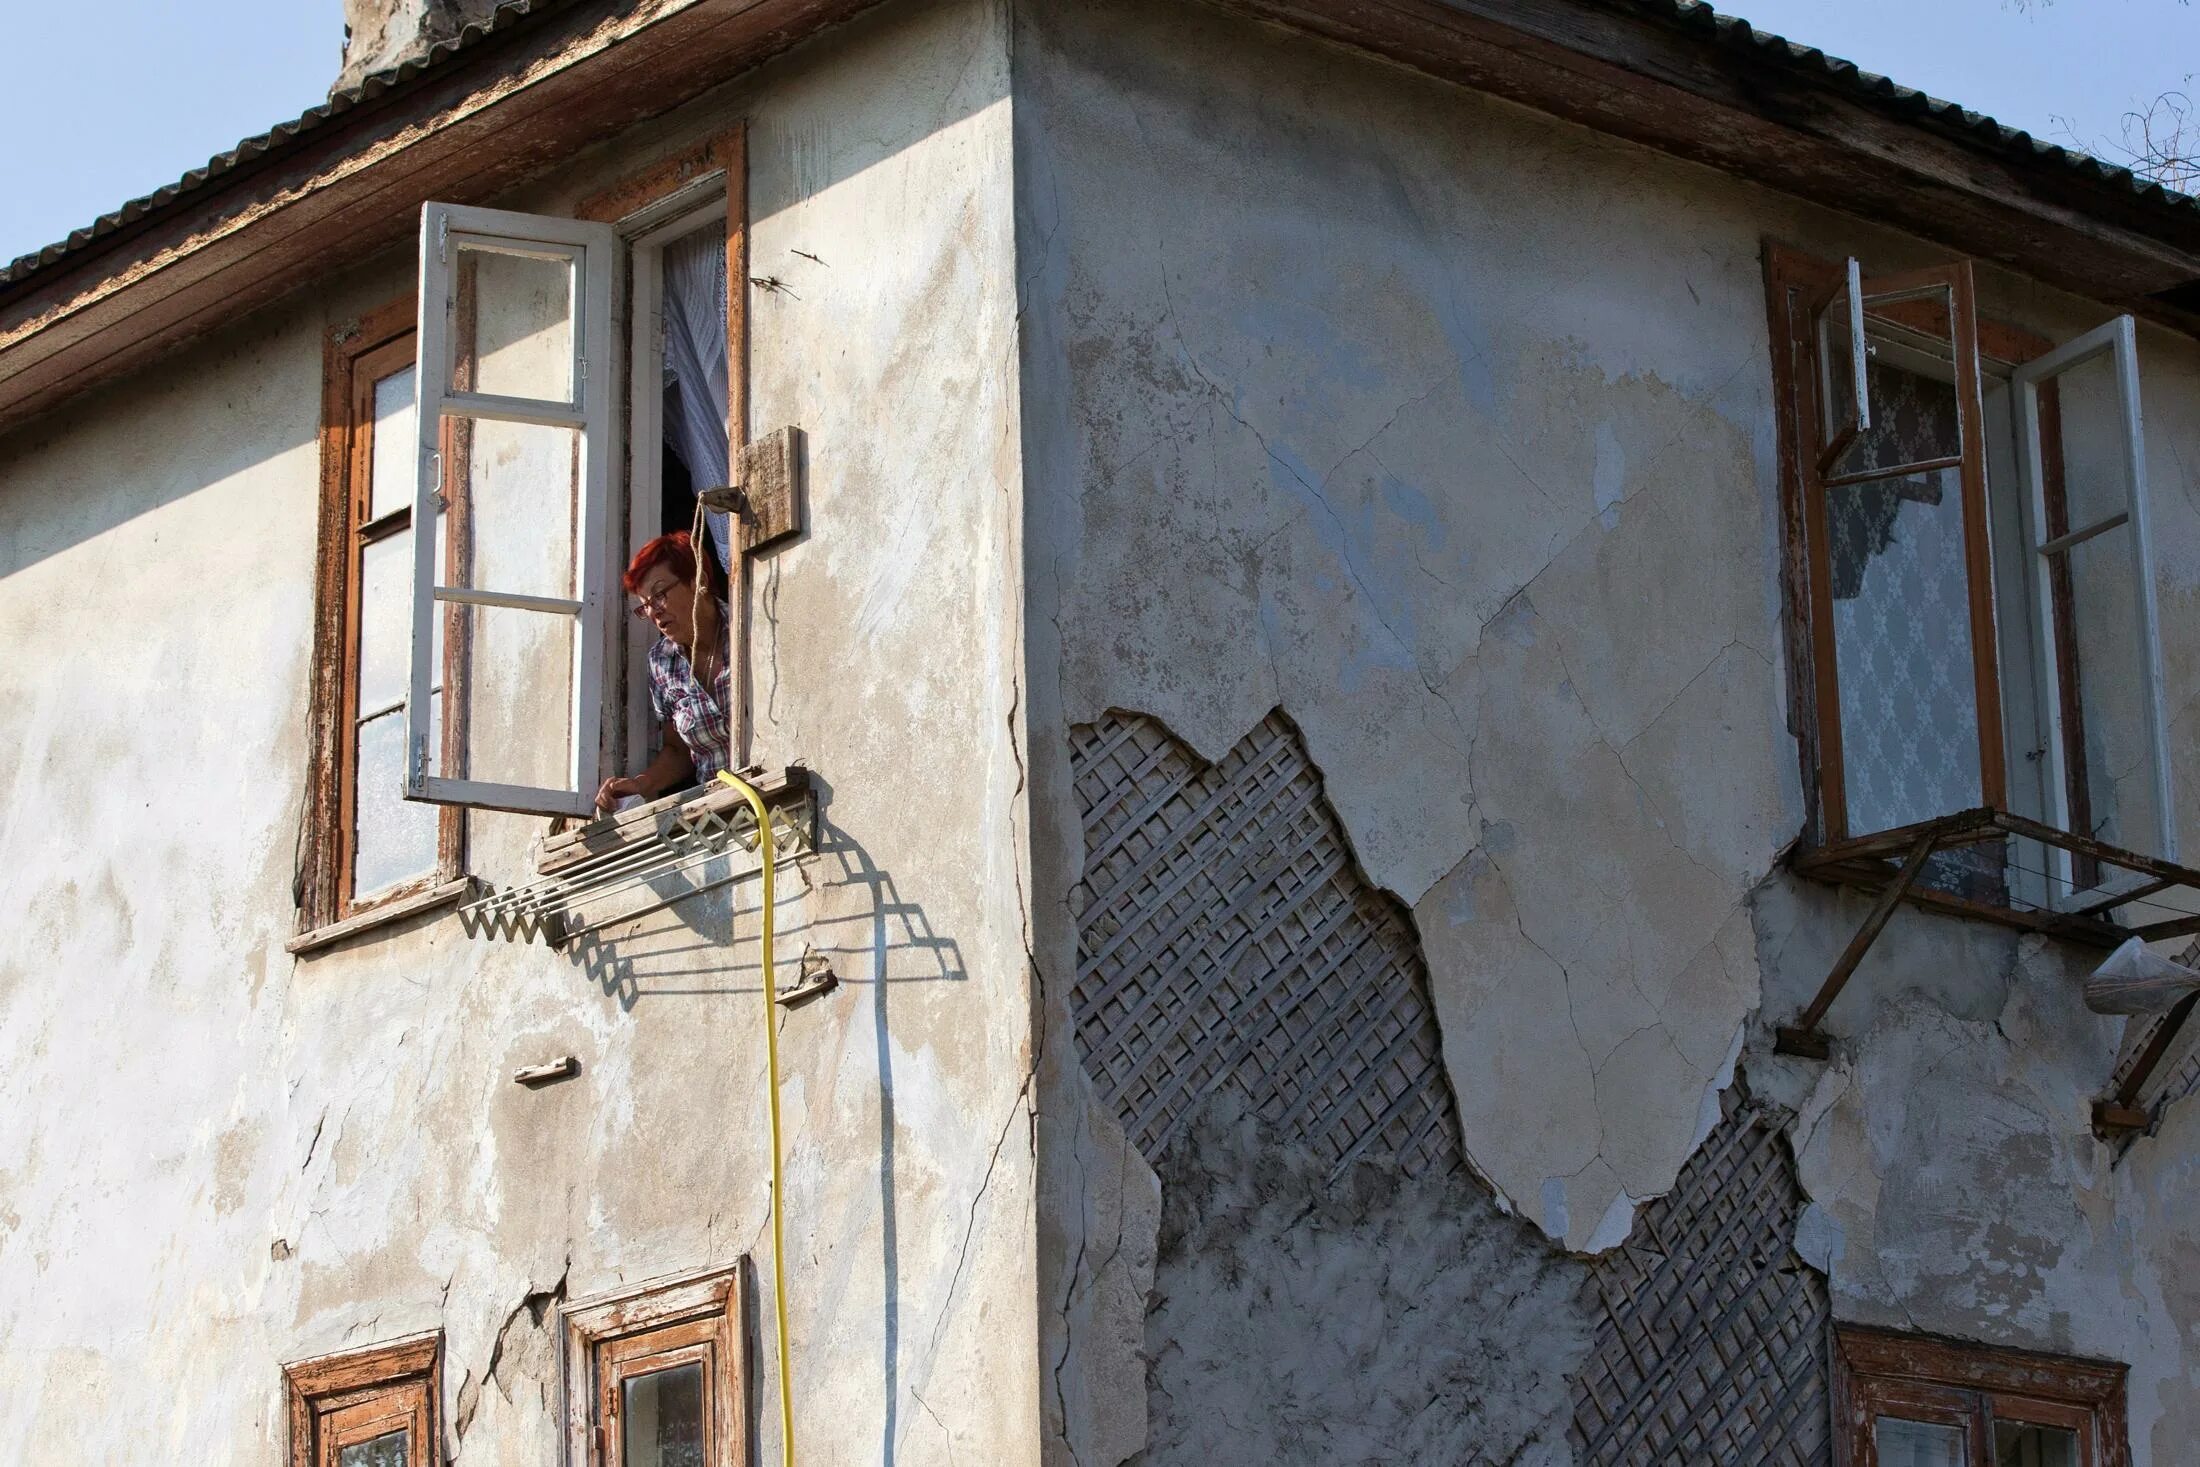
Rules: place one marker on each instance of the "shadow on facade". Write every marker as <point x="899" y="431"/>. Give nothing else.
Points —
<point x="838" y="905"/>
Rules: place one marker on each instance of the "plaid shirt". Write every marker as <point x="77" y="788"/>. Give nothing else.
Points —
<point x="698" y="714"/>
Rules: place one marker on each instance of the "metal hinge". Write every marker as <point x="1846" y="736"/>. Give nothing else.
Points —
<point x="419" y="780"/>
<point x="443" y="238"/>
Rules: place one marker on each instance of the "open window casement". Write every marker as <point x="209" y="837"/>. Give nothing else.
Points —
<point x="510" y="621"/>
<point x="2081" y="459"/>
<point x="1909" y="696"/>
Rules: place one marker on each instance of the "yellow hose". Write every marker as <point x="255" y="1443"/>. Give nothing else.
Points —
<point x="764" y="844"/>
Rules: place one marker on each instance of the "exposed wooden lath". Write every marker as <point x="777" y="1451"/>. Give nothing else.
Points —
<point x="1228" y="942"/>
<point x="1711" y="1343"/>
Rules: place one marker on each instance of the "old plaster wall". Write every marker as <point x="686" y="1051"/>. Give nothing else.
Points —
<point x="1448" y="429"/>
<point x="1957" y="1187"/>
<point x="221" y="1159"/>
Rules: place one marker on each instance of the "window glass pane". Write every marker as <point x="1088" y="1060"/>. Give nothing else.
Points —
<point x="1902" y="649"/>
<point x="1836" y="368"/>
<point x="2096" y="482"/>
<point x="2096" y="586"/>
<point x="661" y="1418"/>
<point x="1914" y="418"/>
<point x="393" y="838"/>
<point x="2116" y="751"/>
<point x="383" y="1451"/>
<point x="517" y="699"/>
<point x="385" y="621"/>
<point x="1918" y="1444"/>
<point x="2019" y="1445"/>
<point x="515" y="323"/>
<point x="519" y="481"/>
<point x="395" y="443"/>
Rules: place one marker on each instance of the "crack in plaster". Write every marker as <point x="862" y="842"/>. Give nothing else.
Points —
<point x="918" y="1397"/>
<point x="1072" y="1277"/>
<point x="970" y="1225"/>
<point x="536" y="1304"/>
<point x="1216" y="396"/>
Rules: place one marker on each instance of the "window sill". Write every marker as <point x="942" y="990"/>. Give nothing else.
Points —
<point x="448" y="893"/>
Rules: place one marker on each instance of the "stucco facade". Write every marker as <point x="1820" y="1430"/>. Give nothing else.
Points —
<point x="332" y="1145"/>
<point x="1449" y="431"/>
<point x="1158" y="368"/>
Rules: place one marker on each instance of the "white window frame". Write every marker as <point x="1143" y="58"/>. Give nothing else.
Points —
<point x="594" y="249"/>
<point x="2118" y="339"/>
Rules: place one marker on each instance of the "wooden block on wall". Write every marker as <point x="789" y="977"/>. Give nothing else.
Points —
<point x="769" y="475"/>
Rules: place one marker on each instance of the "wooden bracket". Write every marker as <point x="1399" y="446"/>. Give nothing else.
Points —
<point x="562" y="1067"/>
<point x="1802" y="1043"/>
<point x="766" y="495"/>
<point x="1803" y="1037"/>
<point x="818" y="979"/>
<point x="2123" y="1114"/>
<point x="2111" y="1119"/>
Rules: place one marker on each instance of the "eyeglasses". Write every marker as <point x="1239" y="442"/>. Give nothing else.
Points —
<point x="648" y="601"/>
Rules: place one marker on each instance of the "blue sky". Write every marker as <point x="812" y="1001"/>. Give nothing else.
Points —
<point x="111" y="100"/>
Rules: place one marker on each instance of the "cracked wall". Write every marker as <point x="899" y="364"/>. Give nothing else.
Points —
<point x="1419" y="470"/>
<point x="1447" y="430"/>
<point x="1955" y="1185"/>
<point x="1300" y="1319"/>
<point x="221" y="1159"/>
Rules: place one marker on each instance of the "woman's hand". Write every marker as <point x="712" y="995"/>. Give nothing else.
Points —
<point x="615" y="789"/>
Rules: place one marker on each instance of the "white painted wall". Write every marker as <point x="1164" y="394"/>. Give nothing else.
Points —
<point x="220" y="1159"/>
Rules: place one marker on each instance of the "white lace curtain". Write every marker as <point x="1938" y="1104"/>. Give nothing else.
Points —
<point x="695" y="362"/>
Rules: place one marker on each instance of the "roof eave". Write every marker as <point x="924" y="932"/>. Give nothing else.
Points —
<point x="1677" y="77"/>
<point x="464" y="128"/>
<point x="490" y="113"/>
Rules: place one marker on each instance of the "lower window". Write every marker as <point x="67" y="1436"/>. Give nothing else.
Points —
<point x="655" y="1378"/>
<point x="366" y="1408"/>
<point x="1910" y="1401"/>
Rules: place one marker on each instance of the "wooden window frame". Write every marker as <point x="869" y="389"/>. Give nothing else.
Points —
<point x="339" y="1400"/>
<point x="355" y="354"/>
<point x="1795" y="281"/>
<point x="1922" y="1378"/>
<point x="655" y="1327"/>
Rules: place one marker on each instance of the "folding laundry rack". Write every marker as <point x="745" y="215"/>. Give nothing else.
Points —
<point x="645" y="859"/>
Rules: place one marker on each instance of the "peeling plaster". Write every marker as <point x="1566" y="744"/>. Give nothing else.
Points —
<point x="1576" y="818"/>
<point x="1340" y="402"/>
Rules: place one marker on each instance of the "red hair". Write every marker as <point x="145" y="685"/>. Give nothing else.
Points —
<point x="676" y="552"/>
<point x="672" y="550"/>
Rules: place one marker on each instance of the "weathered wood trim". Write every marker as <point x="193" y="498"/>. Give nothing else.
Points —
<point x="1680" y="86"/>
<point x="1876" y="1366"/>
<point x="400" y="908"/>
<point x="351" y="354"/>
<point x="600" y="1339"/>
<point x="408" y="1372"/>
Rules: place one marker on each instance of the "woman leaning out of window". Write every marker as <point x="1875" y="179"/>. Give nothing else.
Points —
<point x="689" y="677"/>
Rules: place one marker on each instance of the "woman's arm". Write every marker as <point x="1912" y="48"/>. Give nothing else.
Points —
<point x="672" y="767"/>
